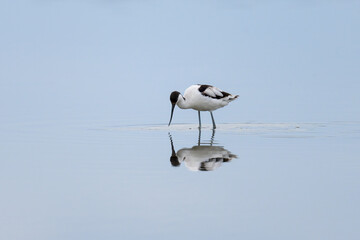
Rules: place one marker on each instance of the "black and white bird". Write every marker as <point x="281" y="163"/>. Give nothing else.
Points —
<point x="201" y="98"/>
<point x="200" y="157"/>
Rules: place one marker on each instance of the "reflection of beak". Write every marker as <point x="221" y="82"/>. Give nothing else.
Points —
<point x="173" y="159"/>
<point x="172" y="112"/>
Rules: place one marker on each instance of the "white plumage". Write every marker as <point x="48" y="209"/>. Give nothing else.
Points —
<point x="204" y="158"/>
<point x="201" y="98"/>
<point x="200" y="157"/>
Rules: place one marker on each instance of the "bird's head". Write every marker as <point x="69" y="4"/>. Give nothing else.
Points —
<point x="173" y="159"/>
<point x="174" y="97"/>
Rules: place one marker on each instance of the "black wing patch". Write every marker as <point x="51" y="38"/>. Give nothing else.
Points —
<point x="203" y="88"/>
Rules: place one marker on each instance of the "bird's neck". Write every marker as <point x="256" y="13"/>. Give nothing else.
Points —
<point x="182" y="103"/>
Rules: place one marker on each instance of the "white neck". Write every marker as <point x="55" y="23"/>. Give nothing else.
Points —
<point x="183" y="104"/>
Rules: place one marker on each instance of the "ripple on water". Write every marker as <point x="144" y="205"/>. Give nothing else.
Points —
<point x="276" y="130"/>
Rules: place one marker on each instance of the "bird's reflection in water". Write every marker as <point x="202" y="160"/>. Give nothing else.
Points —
<point x="201" y="157"/>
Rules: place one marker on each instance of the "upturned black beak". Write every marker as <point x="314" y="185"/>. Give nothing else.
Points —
<point x="173" y="159"/>
<point x="172" y="112"/>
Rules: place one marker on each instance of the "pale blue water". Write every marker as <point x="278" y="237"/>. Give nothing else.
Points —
<point x="289" y="181"/>
<point x="85" y="151"/>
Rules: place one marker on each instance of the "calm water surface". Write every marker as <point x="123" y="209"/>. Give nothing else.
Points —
<point x="69" y="69"/>
<point x="104" y="181"/>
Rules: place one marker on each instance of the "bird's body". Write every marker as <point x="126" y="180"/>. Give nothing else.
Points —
<point x="200" y="157"/>
<point x="201" y="98"/>
<point x="204" y="158"/>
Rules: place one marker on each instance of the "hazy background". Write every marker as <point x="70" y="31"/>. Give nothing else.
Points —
<point x="73" y="73"/>
<point x="67" y="61"/>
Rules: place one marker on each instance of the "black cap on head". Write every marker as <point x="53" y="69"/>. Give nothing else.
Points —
<point x="174" y="161"/>
<point x="174" y="97"/>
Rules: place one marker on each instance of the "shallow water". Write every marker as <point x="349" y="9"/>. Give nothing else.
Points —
<point x="245" y="180"/>
<point x="75" y="74"/>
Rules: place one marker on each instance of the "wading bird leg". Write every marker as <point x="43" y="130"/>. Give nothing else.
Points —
<point x="199" y="120"/>
<point x="212" y="118"/>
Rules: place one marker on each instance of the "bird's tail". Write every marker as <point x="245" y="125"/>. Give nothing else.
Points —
<point x="232" y="97"/>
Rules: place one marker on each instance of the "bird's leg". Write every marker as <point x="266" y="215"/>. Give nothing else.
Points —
<point x="212" y="118"/>
<point x="212" y="137"/>
<point x="199" y="120"/>
<point x="199" y="139"/>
